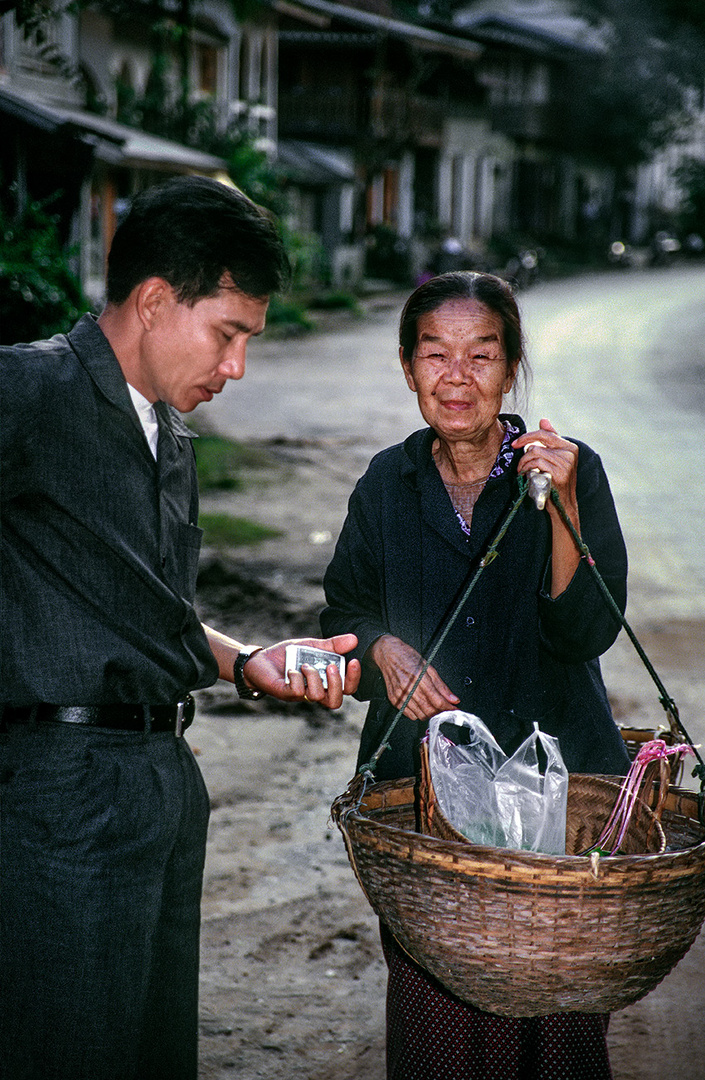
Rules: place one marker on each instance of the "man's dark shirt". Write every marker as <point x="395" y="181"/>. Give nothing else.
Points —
<point x="99" y="543"/>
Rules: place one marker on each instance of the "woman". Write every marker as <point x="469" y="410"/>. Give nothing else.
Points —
<point x="523" y="649"/>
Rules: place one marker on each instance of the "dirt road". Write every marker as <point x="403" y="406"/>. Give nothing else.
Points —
<point x="293" y="979"/>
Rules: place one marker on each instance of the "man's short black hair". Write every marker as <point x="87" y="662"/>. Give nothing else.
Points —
<point x="193" y="231"/>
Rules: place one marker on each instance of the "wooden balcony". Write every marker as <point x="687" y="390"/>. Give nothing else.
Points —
<point x="400" y="116"/>
<point x="525" y="120"/>
<point x="332" y="113"/>
<point x="320" y="113"/>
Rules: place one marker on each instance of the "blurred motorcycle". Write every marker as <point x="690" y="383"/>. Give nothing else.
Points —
<point x="620" y="254"/>
<point x="523" y="267"/>
<point x="663" y="248"/>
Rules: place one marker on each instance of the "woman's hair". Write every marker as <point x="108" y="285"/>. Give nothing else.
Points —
<point x="192" y="231"/>
<point x="487" y="289"/>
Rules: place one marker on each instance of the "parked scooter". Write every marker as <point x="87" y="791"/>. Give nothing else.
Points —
<point x="523" y="268"/>
<point x="620" y="254"/>
<point x="663" y="248"/>
<point x="694" y="246"/>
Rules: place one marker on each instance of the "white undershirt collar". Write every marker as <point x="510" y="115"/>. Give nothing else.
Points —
<point x="148" y="418"/>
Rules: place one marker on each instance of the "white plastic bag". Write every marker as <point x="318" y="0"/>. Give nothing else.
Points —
<point x="492" y="799"/>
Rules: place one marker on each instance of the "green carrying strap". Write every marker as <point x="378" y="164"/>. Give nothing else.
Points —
<point x="665" y="698"/>
<point x="367" y="770"/>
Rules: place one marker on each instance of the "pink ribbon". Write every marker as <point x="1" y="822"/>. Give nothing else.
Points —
<point x="623" y="808"/>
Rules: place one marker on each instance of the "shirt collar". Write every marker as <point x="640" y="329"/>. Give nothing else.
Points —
<point x="96" y="355"/>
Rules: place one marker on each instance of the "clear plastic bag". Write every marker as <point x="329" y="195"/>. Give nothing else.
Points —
<point x="514" y="802"/>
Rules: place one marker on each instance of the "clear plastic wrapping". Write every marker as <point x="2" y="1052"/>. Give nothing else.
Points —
<point x="513" y="802"/>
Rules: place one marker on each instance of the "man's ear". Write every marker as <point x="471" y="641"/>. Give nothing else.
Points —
<point x="151" y="297"/>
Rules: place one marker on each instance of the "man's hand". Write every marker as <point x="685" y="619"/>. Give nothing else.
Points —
<point x="266" y="671"/>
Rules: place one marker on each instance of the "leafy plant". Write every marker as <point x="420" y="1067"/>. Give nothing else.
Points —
<point x="39" y="294"/>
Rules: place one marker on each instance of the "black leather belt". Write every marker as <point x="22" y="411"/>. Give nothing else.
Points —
<point x="145" y="718"/>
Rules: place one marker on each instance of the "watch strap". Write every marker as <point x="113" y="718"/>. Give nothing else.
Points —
<point x="243" y="690"/>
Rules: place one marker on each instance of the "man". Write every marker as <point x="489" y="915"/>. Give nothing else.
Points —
<point x="103" y="811"/>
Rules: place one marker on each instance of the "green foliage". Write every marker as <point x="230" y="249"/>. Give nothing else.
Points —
<point x="219" y="462"/>
<point x="634" y="102"/>
<point x="337" y="301"/>
<point x="39" y="295"/>
<point x="630" y="105"/>
<point x="306" y="256"/>
<point x="690" y="175"/>
<point x="224" y="530"/>
<point x="251" y="170"/>
<point x="288" y="315"/>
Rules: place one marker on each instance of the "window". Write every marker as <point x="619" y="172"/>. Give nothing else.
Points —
<point x="206" y="68"/>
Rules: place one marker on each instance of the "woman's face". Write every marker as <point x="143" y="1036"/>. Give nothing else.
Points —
<point x="459" y="369"/>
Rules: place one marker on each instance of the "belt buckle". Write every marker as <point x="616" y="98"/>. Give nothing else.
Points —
<point x="184" y="715"/>
<point x="179" y="721"/>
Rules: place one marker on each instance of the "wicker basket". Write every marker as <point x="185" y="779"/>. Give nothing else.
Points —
<point x="522" y="934"/>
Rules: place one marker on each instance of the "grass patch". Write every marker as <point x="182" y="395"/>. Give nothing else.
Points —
<point x="224" y="530"/>
<point x="337" y="301"/>
<point x="219" y="462"/>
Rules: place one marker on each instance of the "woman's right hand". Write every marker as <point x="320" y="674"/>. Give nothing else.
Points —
<point x="400" y="666"/>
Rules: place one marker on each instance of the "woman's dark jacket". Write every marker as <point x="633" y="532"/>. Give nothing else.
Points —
<point x="514" y="655"/>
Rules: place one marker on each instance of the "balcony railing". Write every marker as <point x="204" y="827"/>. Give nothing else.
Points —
<point x="396" y="114"/>
<point x="526" y="120"/>
<point x="320" y="112"/>
<point x="333" y="113"/>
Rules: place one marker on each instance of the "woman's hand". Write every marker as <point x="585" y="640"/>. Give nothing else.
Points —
<point x="548" y="452"/>
<point x="400" y="666"/>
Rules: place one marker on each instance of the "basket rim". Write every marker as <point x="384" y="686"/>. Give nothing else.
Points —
<point x="465" y="851"/>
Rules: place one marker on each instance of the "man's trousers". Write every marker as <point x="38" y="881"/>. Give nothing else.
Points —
<point x="102" y="846"/>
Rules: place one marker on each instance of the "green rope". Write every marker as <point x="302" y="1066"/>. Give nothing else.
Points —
<point x="664" y="697"/>
<point x="368" y="769"/>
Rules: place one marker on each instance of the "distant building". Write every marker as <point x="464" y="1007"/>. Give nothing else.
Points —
<point x="65" y="107"/>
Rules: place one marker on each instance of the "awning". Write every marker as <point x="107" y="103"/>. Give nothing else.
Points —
<point x="331" y="13"/>
<point x="110" y="141"/>
<point x="318" y="166"/>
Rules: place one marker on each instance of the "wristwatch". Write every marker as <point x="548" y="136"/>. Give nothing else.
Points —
<point x="243" y="690"/>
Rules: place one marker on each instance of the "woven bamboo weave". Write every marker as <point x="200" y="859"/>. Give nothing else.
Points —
<point x="522" y="934"/>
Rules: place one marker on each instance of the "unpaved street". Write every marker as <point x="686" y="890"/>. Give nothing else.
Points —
<point x="293" y="981"/>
